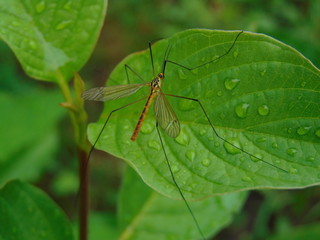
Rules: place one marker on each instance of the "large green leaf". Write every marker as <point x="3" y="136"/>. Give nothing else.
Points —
<point x="145" y="214"/>
<point x="263" y="96"/>
<point x="29" y="138"/>
<point x="27" y="213"/>
<point x="51" y="38"/>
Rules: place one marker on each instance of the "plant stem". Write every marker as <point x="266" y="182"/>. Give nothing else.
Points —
<point x="78" y="118"/>
<point x="84" y="195"/>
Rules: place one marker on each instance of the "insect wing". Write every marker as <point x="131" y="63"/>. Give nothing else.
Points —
<point x="111" y="92"/>
<point x="165" y="116"/>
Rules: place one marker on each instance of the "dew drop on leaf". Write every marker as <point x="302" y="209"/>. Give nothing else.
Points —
<point x="293" y="170"/>
<point x="206" y="162"/>
<point x="202" y="132"/>
<point x="242" y="110"/>
<point x="303" y="130"/>
<point x="175" y="169"/>
<point x="246" y="179"/>
<point x="292" y="151"/>
<point x="154" y="145"/>
<point x="33" y="44"/>
<point x="190" y="154"/>
<point x="219" y="93"/>
<point x="318" y="133"/>
<point x="310" y="159"/>
<point x="231" y="149"/>
<point x="147" y="128"/>
<point x="183" y="138"/>
<point x="40" y="7"/>
<point x="182" y="74"/>
<point x="63" y="24"/>
<point x="68" y="5"/>
<point x="303" y="84"/>
<point x="263" y="110"/>
<point x="231" y="83"/>
<point x="235" y="54"/>
<point x="275" y="145"/>
<point x="261" y="139"/>
<point x="257" y="157"/>
<point x="262" y="73"/>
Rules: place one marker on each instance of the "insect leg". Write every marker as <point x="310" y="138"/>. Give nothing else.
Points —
<point x="201" y="65"/>
<point x="128" y="67"/>
<point x="176" y="184"/>
<point x="216" y="133"/>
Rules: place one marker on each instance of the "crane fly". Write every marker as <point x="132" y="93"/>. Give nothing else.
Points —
<point x="164" y="114"/>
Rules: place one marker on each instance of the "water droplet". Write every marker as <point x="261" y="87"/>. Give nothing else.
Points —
<point x="175" y="169"/>
<point x="219" y="93"/>
<point x="63" y="24"/>
<point x="154" y="145"/>
<point x="206" y="162"/>
<point x="292" y="151"/>
<point x="242" y="158"/>
<point x="222" y="115"/>
<point x="147" y="128"/>
<point x="125" y="126"/>
<point x="303" y="84"/>
<point x="191" y="155"/>
<point x="262" y="73"/>
<point x="235" y="54"/>
<point x="257" y="157"/>
<point x="182" y="74"/>
<point x="318" y="133"/>
<point x="289" y="130"/>
<point x="246" y="179"/>
<point x="203" y="59"/>
<point x="183" y="138"/>
<point x="261" y="139"/>
<point x="299" y="97"/>
<point x="144" y="163"/>
<point x="310" y="159"/>
<point x="186" y="105"/>
<point x="277" y="161"/>
<point x="68" y="6"/>
<point x="293" y="170"/>
<point x="230" y="83"/>
<point x="33" y="44"/>
<point x="216" y="144"/>
<point x="40" y="7"/>
<point x="275" y="145"/>
<point x="303" y="130"/>
<point x="209" y="94"/>
<point x="242" y="110"/>
<point x="263" y="110"/>
<point x="195" y="71"/>
<point x="231" y="149"/>
<point x="202" y="132"/>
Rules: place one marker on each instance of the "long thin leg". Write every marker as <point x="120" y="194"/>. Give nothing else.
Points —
<point x="100" y="133"/>
<point x="128" y="67"/>
<point x="216" y="133"/>
<point x="151" y="57"/>
<point x="175" y="183"/>
<point x="201" y="65"/>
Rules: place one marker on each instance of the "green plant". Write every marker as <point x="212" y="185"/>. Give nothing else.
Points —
<point x="261" y="81"/>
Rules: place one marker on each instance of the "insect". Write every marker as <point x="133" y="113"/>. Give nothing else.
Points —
<point x="164" y="113"/>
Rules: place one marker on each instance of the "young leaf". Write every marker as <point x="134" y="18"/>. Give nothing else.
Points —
<point x="27" y="213"/>
<point x="145" y="214"/>
<point x="51" y="38"/>
<point x="263" y="97"/>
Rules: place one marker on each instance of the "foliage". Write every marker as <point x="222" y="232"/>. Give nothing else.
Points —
<point x="54" y="39"/>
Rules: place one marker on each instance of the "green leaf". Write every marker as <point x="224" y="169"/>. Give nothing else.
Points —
<point x="263" y="96"/>
<point x="29" y="138"/>
<point x="145" y="214"/>
<point x="27" y="213"/>
<point x="51" y="38"/>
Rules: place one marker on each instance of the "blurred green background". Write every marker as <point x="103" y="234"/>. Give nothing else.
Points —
<point x="45" y="153"/>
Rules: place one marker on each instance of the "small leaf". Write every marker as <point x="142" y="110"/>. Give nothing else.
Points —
<point x="26" y="212"/>
<point x="145" y="214"/>
<point x="51" y="38"/>
<point x="258" y="97"/>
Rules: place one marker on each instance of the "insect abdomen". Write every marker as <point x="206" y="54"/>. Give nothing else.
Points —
<point x="142" y="117"/>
